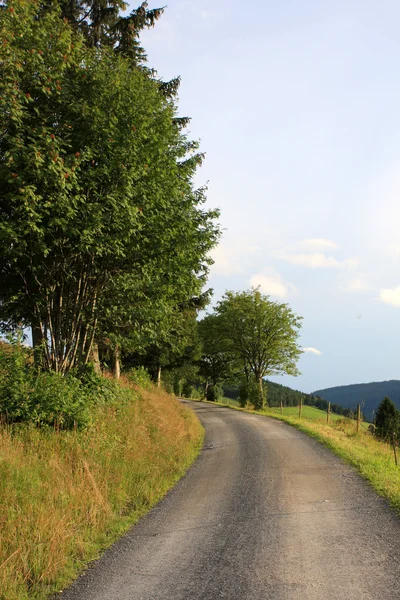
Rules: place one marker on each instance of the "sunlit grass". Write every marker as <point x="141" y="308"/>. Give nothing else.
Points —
<point x="66" y="495"/>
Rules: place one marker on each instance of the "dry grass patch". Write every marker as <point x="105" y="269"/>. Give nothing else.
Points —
<point x="64" y="496"/>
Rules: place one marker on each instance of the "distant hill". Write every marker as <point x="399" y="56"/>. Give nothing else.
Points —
<point x="370" y="393"/>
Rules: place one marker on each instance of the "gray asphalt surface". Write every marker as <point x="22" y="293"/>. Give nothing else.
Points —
<point x="266" y="513"/>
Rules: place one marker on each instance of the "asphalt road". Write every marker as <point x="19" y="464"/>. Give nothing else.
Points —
<point x="266" y="513"/>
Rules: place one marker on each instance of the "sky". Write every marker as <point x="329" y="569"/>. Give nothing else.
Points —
<point x="296" y="105"/>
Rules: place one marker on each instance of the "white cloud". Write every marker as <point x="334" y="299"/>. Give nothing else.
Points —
<point x="312" y="351"/>
<point x="225" y="261"/>
<point x="315" y="260"/>
<point x="358" y="284"/>
<point x="271" y="284"/>
<point x="229" y="259"/>
<point x="318" y="243"/>
<point x="391" y="296"/>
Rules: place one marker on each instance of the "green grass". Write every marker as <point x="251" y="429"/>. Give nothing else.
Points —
<point x="372" y="458"/>
<point x="67" y="495"/>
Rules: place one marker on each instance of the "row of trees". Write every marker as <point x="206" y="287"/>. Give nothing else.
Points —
<point x="103" y="238"/>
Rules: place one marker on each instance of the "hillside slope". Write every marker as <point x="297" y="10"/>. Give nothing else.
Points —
<point x="371" y="394"/>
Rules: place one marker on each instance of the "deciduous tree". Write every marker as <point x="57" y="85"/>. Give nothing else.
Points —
<point x="263" y="334"/>
<point x="97" y="203"/>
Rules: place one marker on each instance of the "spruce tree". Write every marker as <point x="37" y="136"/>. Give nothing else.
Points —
<point x="387" y="419"/>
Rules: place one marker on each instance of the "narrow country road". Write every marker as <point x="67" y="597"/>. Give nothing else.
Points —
<point x="266" y="513"/>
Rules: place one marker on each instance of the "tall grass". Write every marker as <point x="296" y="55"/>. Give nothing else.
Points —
<point x="65" y="495"/>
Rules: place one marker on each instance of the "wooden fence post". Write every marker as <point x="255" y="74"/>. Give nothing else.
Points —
<point x="394" y="448"/>
<point x="281" y="407"/>
<point x="358" y="417"/>
<point x="328" y="413"/>
<point x="300" y="407"/>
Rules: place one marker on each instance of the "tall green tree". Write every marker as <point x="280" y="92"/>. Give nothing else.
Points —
<point x="217" y="363"/>
<point x="104" y="23"/>
<point x="263" y="334"/>
<point x="96" y="205"/>
<point x="386" y="419"/>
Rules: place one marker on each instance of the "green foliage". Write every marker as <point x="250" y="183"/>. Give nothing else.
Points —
<point x="250" y="393"/>
<point x="250" y="329"/>
<point x="139" y="376"/>
<point x="15" y="381"/>
<point x="214" y="393"/>
<point x="58" y="401"/>
<point x="101" y="230"/>
<point x="387" y="419"/>
<point x="217" y="363"/>
<point x="102" y="24"/>
<point x="48" y="398"/>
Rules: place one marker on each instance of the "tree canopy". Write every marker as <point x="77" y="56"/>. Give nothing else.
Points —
<point x="386" y="419"/>
<point x="102" y="231"/>
<point x="260" y="333"/>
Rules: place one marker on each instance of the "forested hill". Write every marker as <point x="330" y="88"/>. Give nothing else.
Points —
<point x="370" y="394"/>
<point x="289" y="397"/>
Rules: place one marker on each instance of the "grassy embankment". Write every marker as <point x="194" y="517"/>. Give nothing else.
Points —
<point x="372" y="458"/>
<point x="67" y="495"/>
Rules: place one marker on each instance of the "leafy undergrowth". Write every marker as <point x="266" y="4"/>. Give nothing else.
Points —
<point x="67" y="495"/>
<point x="373" y="458"/>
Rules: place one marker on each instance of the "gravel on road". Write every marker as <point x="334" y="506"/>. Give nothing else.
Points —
<point x="265" y="513"/>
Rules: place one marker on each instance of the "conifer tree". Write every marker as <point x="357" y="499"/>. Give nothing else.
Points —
<point x="387" y="419"/>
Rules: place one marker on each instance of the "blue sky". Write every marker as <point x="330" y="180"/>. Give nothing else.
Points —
<point x="297" y="106"/>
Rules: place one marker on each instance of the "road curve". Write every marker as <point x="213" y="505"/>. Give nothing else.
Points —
<point x="265" y="513"/>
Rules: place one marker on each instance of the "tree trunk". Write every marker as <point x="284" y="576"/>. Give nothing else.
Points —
<point x="159" y="377"/>
<point x="117" y="361"/>
<point x="262" y="399"/>
<point x="37" y="343"/>
<point x="95" y="358"/>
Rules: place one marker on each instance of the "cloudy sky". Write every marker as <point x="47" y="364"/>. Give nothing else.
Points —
<point x="297" y="104"/>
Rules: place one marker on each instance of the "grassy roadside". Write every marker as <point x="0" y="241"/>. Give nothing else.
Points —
<point x="373" y="459"/>
<point x="67" y="495"/>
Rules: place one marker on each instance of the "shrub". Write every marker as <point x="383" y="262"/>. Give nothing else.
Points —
<point x="60" y="401"/>
<point x="140" y="376"/>
<point x="250" y="393"/>
<point x="214" y="393"/>
<point x="15" y="380"/>
<point x="48" y="398"/>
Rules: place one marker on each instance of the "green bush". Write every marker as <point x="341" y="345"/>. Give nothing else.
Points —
<point x="48" y="398"/>
<point x="60" y="401"/>
<point x="187" y="390"/>
<point x="15" y="381"/>
<point x="250" y="393"/>
<point x="140" y="376"/>
<point x="214" y="393"/>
